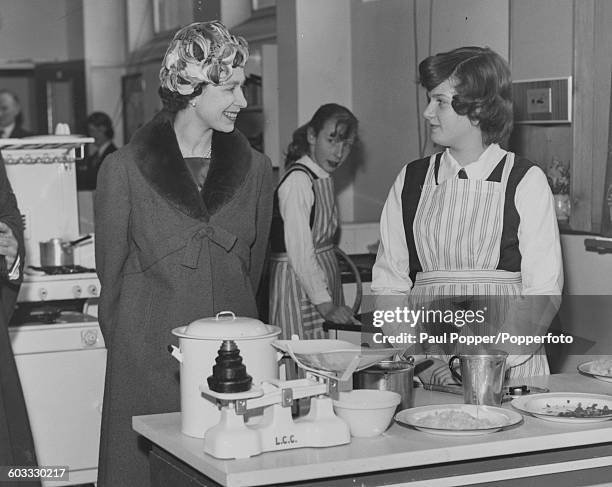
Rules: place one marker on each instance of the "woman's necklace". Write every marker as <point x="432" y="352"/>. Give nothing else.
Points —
<point x="194" y="152"/>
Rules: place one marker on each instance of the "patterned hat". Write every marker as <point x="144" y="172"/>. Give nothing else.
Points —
<point x="202" y="52"/>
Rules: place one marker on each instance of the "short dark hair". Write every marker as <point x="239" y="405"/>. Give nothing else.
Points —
<point x="346" y="127"/>
<point x="173" y="101"/>
<point x="101" y="119"/>
<point x="483" y="83"/>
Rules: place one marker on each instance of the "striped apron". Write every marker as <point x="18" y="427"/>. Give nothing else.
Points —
<point x="458" y="229"/>
<point x="290" y="308"/>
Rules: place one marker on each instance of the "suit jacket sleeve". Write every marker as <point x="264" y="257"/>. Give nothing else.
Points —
<point x="112" y="214"/>
<point x="264" y="220"/>
<point x="10" y="214"/>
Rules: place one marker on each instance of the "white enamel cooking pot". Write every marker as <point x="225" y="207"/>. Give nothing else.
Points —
<point x="199" y="343"/>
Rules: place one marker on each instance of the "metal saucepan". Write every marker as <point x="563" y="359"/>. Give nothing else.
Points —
<point x="57" y="252"/>
<point x="389" y="375"/>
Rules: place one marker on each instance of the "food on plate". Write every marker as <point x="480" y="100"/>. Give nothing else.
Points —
<point x="568" y="411"/>
<point x="457" y="420"/>
<point x="602" y="367"/>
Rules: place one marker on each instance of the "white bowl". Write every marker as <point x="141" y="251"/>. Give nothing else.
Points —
<point x="368" y="412"/>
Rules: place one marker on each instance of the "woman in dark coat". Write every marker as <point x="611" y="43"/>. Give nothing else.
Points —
<point x="175" y="240"/>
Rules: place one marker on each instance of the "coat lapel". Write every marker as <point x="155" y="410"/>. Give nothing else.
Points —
<point x="159" y="159"/>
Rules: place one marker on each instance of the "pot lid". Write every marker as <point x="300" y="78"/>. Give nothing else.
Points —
<point x="226" y="325"/>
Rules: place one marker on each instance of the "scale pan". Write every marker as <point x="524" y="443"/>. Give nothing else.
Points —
<point x="335" y="356"/>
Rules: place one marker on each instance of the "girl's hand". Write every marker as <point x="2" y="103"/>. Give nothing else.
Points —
<point x="335" y="314"/>
<point x="438" y="373"/>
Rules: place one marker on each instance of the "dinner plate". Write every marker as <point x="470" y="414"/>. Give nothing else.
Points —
<point x="553" y="405"/>
<point x="591" y="369"/>
<point x="458" y="419"/>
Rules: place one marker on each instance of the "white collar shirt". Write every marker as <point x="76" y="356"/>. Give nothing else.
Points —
<point x="538" y="232"/>
<point x="481" y="168"/>
<point x="295" y="200"/>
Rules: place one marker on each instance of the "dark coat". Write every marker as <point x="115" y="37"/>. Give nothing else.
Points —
<point x="166" y="255"/>
<point x="16" y="444"/>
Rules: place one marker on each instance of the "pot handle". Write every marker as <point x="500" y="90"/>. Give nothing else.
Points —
<point x="78" y="240"/>
<point x="176" y="353"/>
<point x="225" y="314"/>
<point x="453" y="370"/>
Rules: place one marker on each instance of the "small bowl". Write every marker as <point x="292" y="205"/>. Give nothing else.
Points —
<point x="368" y="412"/>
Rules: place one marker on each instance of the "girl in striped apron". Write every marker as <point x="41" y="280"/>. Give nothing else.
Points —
<point x="473" y="220"/>
<point x="305" y="285"/>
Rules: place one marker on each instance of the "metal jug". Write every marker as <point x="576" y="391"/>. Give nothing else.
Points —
<point x="482" y="376"/>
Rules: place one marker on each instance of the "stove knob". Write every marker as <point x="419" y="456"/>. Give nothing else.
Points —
<point x="43" y="293"/>
<point x="77" y="291"/>
<point x="92" y="289"/>
<point x="89" y="337"/>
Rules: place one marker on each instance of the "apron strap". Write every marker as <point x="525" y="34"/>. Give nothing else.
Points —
<point x="416" y="173"/>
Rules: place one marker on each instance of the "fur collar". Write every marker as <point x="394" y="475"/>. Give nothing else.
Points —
<point x="159" y="159"/>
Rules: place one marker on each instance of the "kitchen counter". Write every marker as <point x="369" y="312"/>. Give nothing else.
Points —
<point x="403" y="456"/>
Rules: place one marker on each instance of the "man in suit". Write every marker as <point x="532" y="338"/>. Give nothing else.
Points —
<point x="16" y="443"/>
<point x="11" y="117"/>
<point x="100" y="127"/>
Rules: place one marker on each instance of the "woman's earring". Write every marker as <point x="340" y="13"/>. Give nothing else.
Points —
<point x="193" y="104"/>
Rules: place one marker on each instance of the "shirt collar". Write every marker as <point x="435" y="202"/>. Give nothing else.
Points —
<point x="479" y="169"/>
<point x="313" y="166"/>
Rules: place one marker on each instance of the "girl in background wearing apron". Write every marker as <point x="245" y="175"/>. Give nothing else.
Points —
<point x="305" y="285"/>
<point x="473" y="220"/>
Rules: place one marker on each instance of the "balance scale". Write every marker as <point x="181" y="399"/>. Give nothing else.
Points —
<point x="327" y="364"/>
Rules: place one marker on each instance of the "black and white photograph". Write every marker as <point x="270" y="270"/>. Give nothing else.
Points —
<point x="305" y="243"/>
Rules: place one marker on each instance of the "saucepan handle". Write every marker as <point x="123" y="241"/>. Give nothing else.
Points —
<point x="79" y="240"/>
<point x="456" y="375"/>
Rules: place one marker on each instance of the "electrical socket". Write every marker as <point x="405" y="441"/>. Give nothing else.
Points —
<point x="539" y="100"/>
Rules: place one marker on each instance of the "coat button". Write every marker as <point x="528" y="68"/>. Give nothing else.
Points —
<point x="210" y="231"/>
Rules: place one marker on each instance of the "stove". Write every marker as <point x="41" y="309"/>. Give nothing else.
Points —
<point x="58" y="346"/>
<point x="42" y="172"/>
<point x="55" y="283"/>
<point x="61" y="366"/>
<point x="54" y="270"/>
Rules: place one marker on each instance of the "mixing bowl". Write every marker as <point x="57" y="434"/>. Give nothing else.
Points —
<point x="368" y="412"/>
